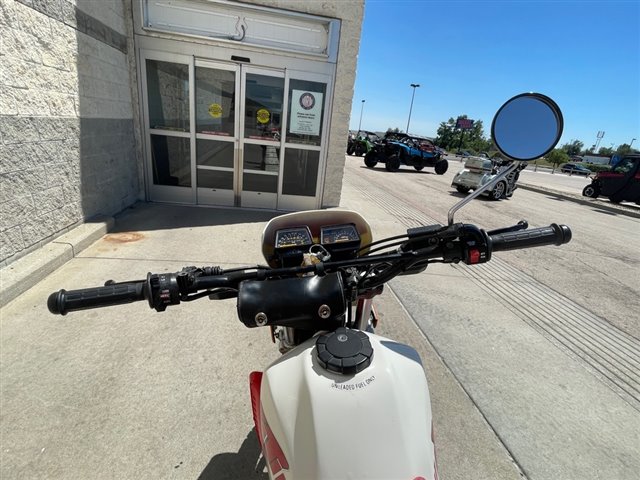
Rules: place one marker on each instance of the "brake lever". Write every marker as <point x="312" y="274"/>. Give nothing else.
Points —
<point x="521" y="225"/>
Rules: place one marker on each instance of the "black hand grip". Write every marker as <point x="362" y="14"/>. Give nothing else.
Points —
<point x="65" y="301"/>
<point x="554" y="234"/>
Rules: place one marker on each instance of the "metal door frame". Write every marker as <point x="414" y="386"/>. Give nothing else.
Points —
<point x="177" y="54"/>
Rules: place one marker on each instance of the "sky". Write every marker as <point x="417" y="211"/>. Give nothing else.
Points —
<point x="469" y="57"/>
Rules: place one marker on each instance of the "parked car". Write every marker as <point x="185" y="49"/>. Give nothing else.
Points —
<point x="362" y="143"/>
<point x="575" y="168"/>
<point x="397" y="149"/>
<point x="479" y="171"/>
<point x="463" y="153"/>
<point x="619" y="184"/>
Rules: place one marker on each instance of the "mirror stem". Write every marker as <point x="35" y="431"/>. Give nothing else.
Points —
<point x="477" y="192"/>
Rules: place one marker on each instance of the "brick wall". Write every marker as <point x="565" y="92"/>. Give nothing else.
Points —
<point x="67" y="148"/>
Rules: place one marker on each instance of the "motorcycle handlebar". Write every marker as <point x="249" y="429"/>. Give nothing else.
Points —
<point x="65" y="301"/>
<point x="554" y="234"/>
<point x="162" y="290"/>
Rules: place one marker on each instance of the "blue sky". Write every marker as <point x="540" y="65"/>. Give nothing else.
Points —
<point x="471" y="56"/>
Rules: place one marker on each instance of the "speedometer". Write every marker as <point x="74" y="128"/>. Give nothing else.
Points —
<point x="293" y="237"/>
<point x="339" y="234"/>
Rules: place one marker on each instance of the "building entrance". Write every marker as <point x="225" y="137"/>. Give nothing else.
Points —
<point x="232" y="134"/>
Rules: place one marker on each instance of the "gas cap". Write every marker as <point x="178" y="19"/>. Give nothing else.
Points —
<point x="344" y="351"/>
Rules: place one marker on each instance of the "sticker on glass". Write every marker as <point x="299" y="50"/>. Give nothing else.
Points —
<point x="263" y="115"/>
<point x="215" y="110"/>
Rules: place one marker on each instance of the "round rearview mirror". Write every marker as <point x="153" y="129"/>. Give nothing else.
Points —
<point x="527" y="126"/>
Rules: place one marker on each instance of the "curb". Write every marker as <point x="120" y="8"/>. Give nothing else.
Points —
<point x="583" y="200"/>
<point x="22" y="274"/>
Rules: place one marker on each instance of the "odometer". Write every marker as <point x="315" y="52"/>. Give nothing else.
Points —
<point x="339" y="234"/>
<point x="293" y="237"/>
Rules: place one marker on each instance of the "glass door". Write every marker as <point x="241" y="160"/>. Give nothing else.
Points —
<point x="261" y="137"/>
<point x="216" y="132"/>
<point x="167" y="98"/>
<point x="305" y="141"/>
<point x="233" y="135"/>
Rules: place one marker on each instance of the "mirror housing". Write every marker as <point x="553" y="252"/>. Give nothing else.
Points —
<point x="527" y="126"/>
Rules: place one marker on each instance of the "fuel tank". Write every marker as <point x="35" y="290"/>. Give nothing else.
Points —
<point x="315" y="423"/>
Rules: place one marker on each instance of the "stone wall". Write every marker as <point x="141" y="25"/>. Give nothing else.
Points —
<point x="67" y="148"/>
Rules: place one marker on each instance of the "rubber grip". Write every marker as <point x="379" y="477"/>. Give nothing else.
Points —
<point x="554" y="234"/>
<point x="65" y="301"/>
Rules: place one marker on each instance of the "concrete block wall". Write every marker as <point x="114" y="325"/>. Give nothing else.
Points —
<point x="67" y="147"/>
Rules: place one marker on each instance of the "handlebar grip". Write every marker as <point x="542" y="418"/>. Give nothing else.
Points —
<point x="554" y="234"/>
<point x="65" y="301"/>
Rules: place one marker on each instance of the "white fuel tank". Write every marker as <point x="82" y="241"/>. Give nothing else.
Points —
<point x="375" y="424"/>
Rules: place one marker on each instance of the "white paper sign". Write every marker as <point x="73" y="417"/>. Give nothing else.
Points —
<point x="306" y="110"/>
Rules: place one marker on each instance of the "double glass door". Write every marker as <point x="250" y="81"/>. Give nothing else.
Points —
<point x="233" y="135"/>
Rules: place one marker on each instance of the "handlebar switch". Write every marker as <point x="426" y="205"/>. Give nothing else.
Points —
<point x="165" y="290"/>
<point x="476" y="245"/>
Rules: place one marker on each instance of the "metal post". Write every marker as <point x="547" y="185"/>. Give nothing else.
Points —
<point x="632" y="140"/>
<point x="361" y="109"/>
<point x="414" y="85"/>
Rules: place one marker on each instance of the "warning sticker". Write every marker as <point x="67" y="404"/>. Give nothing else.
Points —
<point x="215" y="110"/>
<point x="263" y="115"/>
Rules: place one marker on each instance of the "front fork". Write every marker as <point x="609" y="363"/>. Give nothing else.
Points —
<point x="366" y="317"/>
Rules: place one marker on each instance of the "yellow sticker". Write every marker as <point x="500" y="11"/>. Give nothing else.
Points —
<point x="263" y="115"/>
<point x="215" y="110"/>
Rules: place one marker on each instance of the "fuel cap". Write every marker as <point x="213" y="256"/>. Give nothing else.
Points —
<point x="344" y="351"/>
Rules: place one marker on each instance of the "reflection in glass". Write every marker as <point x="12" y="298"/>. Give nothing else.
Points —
<point x="171" y="160"/>
<point x="213" y="153"/>
<point x="215" y="179"/>
<point x="215" y="101"/>
<point x="526" y="128"/>
<point x="168" y="91"/>
<point x="300" y="172"/>
<point x="306" y="111"/>
<point x="263" y="107"/>
<point x="261" y="157"/>
<point x="256" y="182"/>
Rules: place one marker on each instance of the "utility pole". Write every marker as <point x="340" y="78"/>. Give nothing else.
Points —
<point x="361" y="109"/>
<point x="414" y="85"/>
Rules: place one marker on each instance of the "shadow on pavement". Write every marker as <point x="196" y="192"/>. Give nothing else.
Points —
<point x="241" y="465"/>
<point x="401" y="170"/>
<point x="153" y="216"/>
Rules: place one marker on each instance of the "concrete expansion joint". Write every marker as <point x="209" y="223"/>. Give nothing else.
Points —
<point x="475" y="406"/>
<point x="73" y="250"/>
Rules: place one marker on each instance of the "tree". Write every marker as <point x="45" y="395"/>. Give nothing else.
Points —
<point x="573" y="148"/>
<point x="605" y="151"/>
<point x="557" y="156"/>
<point x="446" y="134"/>
<point x="394" y="130"/>
<point x="451" y="138"/>
<point x="623" y="149"/>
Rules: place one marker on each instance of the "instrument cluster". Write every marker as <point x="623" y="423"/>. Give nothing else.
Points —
<point x="286" y="238"/>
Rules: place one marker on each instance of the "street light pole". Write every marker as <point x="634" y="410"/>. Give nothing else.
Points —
<point x="361" y="109"/>
<point x="632" y="140"/>
<point x="414" y="85"/>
